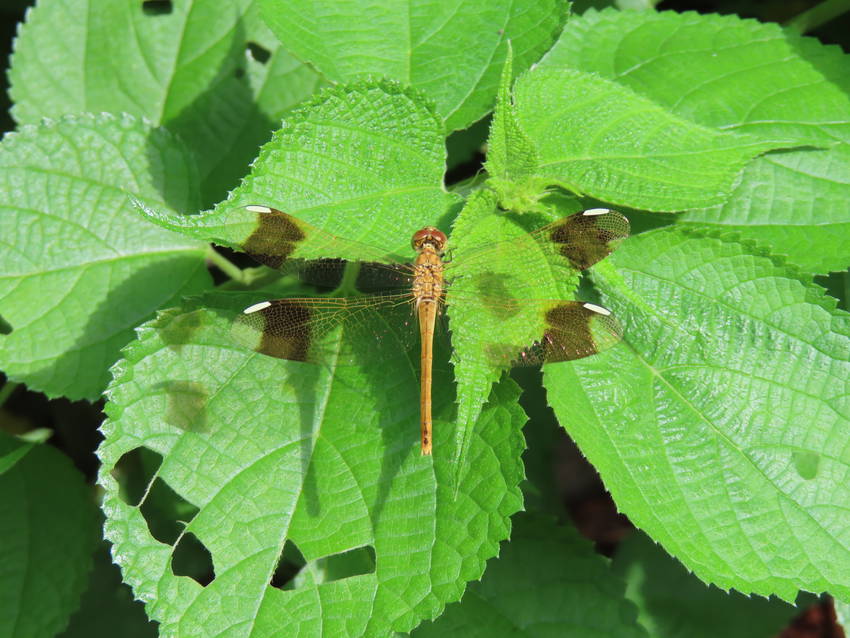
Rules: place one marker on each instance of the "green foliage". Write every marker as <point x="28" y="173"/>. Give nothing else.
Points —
<point x="511" y="156"/>
<point x="664" y="163"/>
<point x="674" y="604"/>
<point x="108" y="603"/>
<point x="80" y="269"/>
<point x="474" y="325"/>
<point x="364" y="161"/>
<point x="453" y="51"/>
<point x="48" y="537"/>
<point x="190" y="70"/>
<point x="546" y="582"/>
<point x="254" y="496"/>
<point x="327" y="461"/>
<point x="729" y="428"/>
<point x="747" y="77"/>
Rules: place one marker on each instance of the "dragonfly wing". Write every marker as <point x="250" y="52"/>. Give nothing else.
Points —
<point x="536" y="331"/>
<point x="298" y="329"/>
<point x="279" y="237"/>
<point x="574" y="330"/>
<point x="528" y="264"/>
<point x="587" y="237"/>
<point x="370" y="277"/>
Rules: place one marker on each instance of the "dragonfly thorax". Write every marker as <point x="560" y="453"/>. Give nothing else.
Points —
<point x="429" y="236"/>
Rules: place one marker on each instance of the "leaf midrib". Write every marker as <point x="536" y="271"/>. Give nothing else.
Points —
<point x="718" y="432"/>
<point x="733" y="446"/>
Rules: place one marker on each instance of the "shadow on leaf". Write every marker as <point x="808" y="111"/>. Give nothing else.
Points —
<point x="223" y="128"/>
<point x="110" y="325"/>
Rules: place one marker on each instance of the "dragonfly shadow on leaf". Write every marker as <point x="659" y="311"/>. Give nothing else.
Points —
<point x="186" y="403"/>
<point x="109" y="324"/>
<point x="176" y="327"/>
<point x="494" y="291"/>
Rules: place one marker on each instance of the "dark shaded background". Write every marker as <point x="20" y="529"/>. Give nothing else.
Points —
<point x="574" y="489"/>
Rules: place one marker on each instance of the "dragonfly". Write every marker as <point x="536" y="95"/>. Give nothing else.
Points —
<point x="487" y="278"/>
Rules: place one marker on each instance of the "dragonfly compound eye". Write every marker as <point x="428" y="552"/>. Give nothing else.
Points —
<point x="429" y="235"/>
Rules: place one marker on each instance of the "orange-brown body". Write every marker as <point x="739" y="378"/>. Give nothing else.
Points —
<point x="428" y="295"/>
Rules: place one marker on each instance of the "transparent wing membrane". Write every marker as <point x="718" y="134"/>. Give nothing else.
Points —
<point x="279" y="237"/>
<point x="305" y="328"/>
<point x="498" y="283"/>
<point x="509" y="271"/>
<point x="571" y="330"/>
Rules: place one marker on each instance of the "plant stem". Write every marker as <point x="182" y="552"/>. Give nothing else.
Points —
<point x="7" y="390"/>
<point x="252" y="278"/>
<point x="818" y="15"/>
<point x="636" y="5"/>
<point x="224" y="264"/>
<point x="348" y="285"/>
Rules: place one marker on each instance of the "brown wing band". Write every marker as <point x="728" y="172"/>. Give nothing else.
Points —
<point x="274" y="239"/>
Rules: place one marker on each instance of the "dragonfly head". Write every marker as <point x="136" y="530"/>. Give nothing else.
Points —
<point x="429" y="235"/>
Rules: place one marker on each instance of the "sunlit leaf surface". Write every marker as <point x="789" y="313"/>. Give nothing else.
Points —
<point x="721" y="424"/>
<point x="742" y="76"/>
<point x="311" y="472"/>
<point x="79" y="269"/>
<point x="452" y="51"/>
<point x="209" y="70"/>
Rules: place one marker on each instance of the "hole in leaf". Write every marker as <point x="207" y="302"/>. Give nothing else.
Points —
<point x="465" y="151"/>
<point x="157" y="7"/>
<point x="186" y="403"/>
<point x="192" y="558"/>
<point x="291" y="562"/>
<point x="5" y="326"/>
<point x="240" y="260"/>
<point x="354" y="562"/>
<point x="165" y="511"/>
<point x="134" y="472"/>
<point x="260" y="53"/>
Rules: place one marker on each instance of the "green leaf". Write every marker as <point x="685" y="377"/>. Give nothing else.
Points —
<point x="324" y="459"/>
<point x="511" y="157"/>
<point x="547" y="581"/>
<point x="364" y="161"/>
<point x="720" y="425"/>
<point x="475" y="326"/>
<point x="795" y="202"/>
<point x="49" y="531"/>
<point x="743" y="75"/>
<point x="675" y="604"/>
<point x="13" y="451"/>
<point x="107" y="607"/>
<point x="598" y="138"/>
<point x="80" y="268"/>
<point x="842" y="613"/>
<point x="510" y="154"/>
<point x="748" y="77"/>
<point x="452" y="51"/>
<point x="190" y="70"/>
